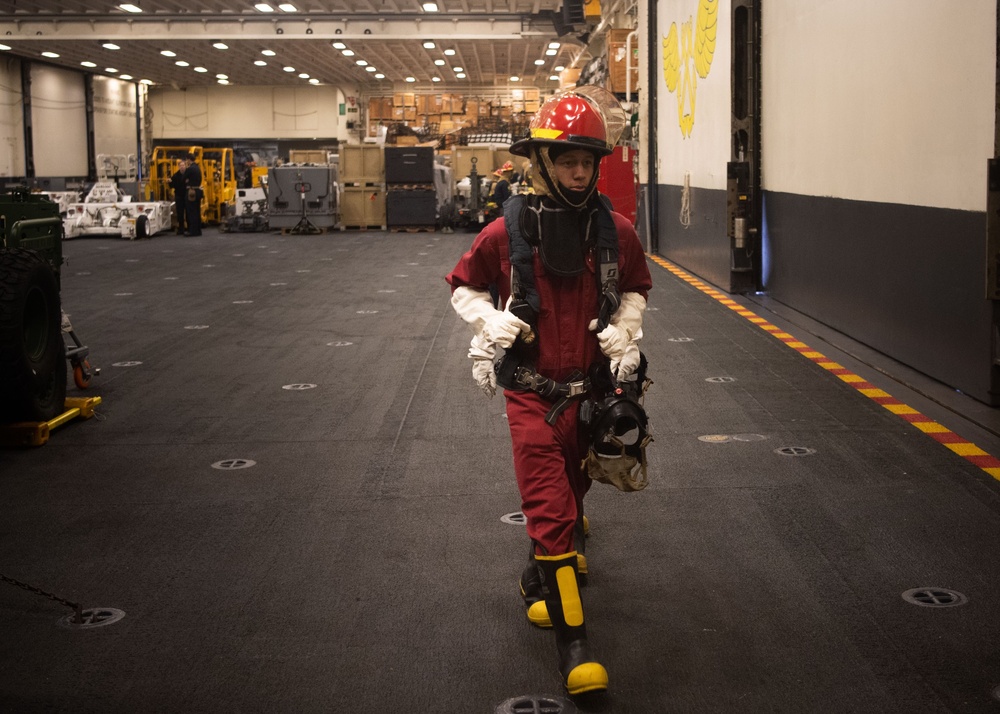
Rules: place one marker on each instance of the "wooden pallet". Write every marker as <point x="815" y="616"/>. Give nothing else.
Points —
<point x="413" y="229"/>
<point x="362" y="228"/>
<point x="31" y="433"/>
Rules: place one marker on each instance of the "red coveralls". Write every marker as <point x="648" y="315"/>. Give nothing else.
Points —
<point x="547" y="459"/>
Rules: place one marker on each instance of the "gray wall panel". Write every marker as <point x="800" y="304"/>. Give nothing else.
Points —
<point x="702" y="247"/>
<point x="905" y="280"/>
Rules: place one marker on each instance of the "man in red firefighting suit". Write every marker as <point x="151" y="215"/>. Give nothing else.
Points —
<point x="567" y="139"/>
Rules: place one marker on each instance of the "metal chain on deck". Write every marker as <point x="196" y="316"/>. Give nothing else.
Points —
<point x="78" y="618"/>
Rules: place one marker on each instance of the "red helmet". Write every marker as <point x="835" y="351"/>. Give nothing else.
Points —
<point x="585" y="118"/>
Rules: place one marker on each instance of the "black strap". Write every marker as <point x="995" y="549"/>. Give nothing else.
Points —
<point x="561" y="393"/>
<point x="608" y="260"/>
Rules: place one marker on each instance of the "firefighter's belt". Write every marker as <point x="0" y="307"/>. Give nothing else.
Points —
<point x="560" y="393"/>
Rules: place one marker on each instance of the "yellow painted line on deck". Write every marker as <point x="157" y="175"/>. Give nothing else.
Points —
<point x="944" y="436"/>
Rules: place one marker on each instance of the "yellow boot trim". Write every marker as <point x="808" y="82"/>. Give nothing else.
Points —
<point x="569" y="593"/>
<point x="581" y="563"/>
<point x="587" y="677"/>
<point x="538" y="614"/>
<point x="586" y="526"/>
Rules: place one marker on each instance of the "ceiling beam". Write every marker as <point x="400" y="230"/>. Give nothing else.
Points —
<point x="239" y="28"/>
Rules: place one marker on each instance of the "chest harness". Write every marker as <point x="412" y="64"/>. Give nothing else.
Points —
<point x="523" y="221"/>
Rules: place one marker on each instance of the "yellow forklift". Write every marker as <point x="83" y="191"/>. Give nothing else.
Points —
<point x="218" y="178"/>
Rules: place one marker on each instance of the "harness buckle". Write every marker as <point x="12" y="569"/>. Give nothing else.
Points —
<point x="525" y="377"/>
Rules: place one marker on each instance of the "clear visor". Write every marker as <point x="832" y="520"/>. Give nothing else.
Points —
<point x="610" y="108"/>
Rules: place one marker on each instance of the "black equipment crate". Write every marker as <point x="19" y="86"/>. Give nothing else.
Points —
<point x="409" y="164"/>
<point x="411" y="207"/>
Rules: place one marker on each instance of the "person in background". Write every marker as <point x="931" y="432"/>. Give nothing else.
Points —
<point x="573" y="283"/>
<point x="192" y="176"/>
<point x="179" y="184"/>
<point x="501" y="189"/>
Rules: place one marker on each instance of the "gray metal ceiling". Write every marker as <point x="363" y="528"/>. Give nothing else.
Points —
<point x="493" y="41"/>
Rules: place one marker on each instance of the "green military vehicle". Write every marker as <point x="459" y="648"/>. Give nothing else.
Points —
<point x="33" y="353"/>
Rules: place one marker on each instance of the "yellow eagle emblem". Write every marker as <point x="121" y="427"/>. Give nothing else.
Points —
<point x="694" y="45"/>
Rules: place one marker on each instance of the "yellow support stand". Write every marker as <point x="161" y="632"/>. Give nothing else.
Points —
<point x="32" y="433"/>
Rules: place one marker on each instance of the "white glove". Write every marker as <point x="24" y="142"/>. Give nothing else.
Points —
<point x="481" y="353"/>
<point x="498" y="327"/>
<point x="628" y="364"/>
<point x="619" y="341"/>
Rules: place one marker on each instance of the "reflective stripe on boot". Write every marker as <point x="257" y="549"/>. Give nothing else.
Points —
<point x="531" y="591"/>
<point x="580" y="671"/>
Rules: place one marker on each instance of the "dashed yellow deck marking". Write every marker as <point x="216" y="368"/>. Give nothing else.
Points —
<point x="966" y="449"/>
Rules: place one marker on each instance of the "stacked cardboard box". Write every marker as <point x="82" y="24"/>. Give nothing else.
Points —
<point x="618" y="61"/>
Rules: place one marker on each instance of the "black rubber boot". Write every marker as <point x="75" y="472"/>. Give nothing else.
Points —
<point x="531" y="593"/>
<point x="580" y="543"/>
<point x="580" y="671"/>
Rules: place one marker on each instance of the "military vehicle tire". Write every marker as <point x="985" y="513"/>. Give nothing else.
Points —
<point x="32" y="352"/>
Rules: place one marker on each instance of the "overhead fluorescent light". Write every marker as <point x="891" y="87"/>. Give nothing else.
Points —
<point x="260" y="63"/>
<point x="369" y="68"/>
<point x="222" y="76"/>
<point x="125" y="76"/>
<point x="129" y="7"/>
<point x="449" y="53"/>
<point x="287" y="7"/>
<point x="429" y="45"/>
<point x="379" y="76"/>
<point x="348" y="53"/>
<point x="338" y="46"/>
<point x="360" y="63"/>
<point x="200" y="69"/>
<point x="303" y="75"/>
<point x="539" y="63"/>
<point x="182" y="63"/>
<point x="411" y="79"/>
<point x="111" y="70"/>
<point x="50" y="55"/>
<point x="110" y="46"/>
<point x="168" y="53"/>
<point x="515" y="79"/>
<point x="263" y="7"/>
<point x="313" y="81"/>
<point x="289" y="69"/>
<point x="220" y="45"/>
<point x="430" y="7"/>
<point x="4" y="48"/>
<point x="439" y="62"/>
<point x="554" y="45"/>
<point x="223" y="81"/>
<point x="460" y="75"/>
<point x="87" y="63"/>
<point x="268" y="53"/>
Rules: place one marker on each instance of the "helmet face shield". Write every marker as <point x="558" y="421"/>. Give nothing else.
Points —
<point x="610" y="108"/>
